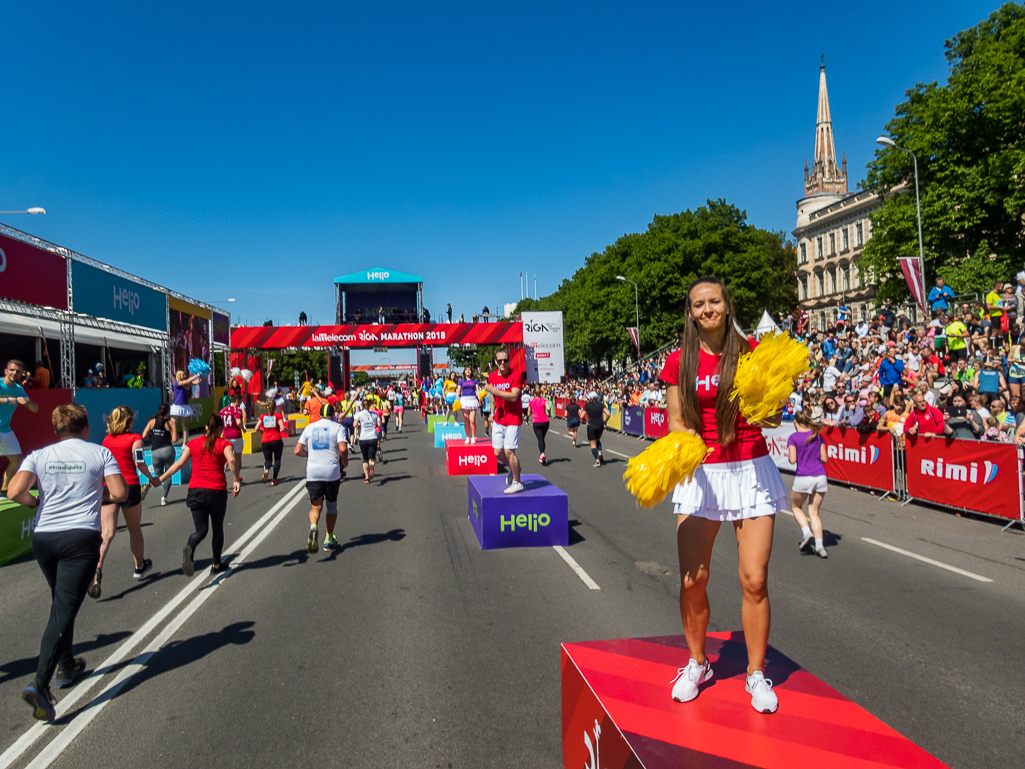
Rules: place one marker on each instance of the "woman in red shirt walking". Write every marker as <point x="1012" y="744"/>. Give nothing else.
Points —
<point x="126" y="447"/>
<point x="208" y="493"/>
<point x="737" y="482"/>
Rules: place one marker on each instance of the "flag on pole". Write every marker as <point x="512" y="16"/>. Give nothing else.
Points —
<point x="632" y="331"/>
<point x="911" y="266"/>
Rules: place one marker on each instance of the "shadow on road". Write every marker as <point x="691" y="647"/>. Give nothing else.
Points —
<point x="27" y="665"/>
<point x="560" y="459"/>
<point x="390" y="478"/>
<point x="282" y="559"/>
<point x="178" y="654"/>
<point x="574" y="535"/>
<point x="143" y="584"/>
<point x="395" y="535"/>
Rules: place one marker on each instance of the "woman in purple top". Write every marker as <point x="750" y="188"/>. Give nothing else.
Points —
<point x="180" y="407"/>
<point x="807" y="450"/>
<point x="469" y="404"/>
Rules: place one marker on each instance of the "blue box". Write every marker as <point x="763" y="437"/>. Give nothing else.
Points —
<point x="444" y="432"/>
<point x="538" y="516"/>
<point x="180" y="478"/>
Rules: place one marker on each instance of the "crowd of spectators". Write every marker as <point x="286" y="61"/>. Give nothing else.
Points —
<point x="958" y="375"/>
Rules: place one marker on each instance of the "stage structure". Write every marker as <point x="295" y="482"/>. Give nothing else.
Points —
<point x="378" y="295"/>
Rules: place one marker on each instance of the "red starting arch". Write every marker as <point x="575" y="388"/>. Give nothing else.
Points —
<point x="367" y="335"/>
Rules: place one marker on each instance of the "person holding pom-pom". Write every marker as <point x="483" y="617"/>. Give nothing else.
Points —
<point x="180" y="408"/>
<point x="737" y="482"/>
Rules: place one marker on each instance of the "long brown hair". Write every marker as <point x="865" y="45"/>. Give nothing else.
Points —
<point x="805" y="422"/>
<point x="734" y="344"/>
<point x="212" y="424"/>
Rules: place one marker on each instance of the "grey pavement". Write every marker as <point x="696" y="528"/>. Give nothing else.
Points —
<point x="411" y="647"/>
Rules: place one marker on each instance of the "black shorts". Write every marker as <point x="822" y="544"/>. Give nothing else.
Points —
<point x="213" y="501"/>
<point x="571" y="423"/>
<point x="368" y="449"/>
<point x="594" y="433"/>
<point x="134" y="496"/>
<point x="323" y="490"/>
<point x="956" y="355"/>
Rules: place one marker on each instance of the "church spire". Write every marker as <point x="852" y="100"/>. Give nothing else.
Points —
<point x="826" y="175"/>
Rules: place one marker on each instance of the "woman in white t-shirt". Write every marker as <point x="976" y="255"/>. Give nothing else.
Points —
<point x="366" y="423"/>
<point x="75" y="478"/>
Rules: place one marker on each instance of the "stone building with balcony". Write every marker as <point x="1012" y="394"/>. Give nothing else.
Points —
<point x="832" y="229"/>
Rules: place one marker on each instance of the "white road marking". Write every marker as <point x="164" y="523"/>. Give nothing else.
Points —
<point x="38" y="729"/>
<point x="930" y="561"/>
<point x="576" y="567"/>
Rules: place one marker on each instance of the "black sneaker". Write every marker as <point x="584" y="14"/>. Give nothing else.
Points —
<point x="219" y="567"/>
<point x="68" y="676"/>
<point x="188" y="565"/>
<point x="95" y="590"/>
<point x="147" y="564"/>
<point x="42" y="702"/>
<point x="509" y="479"/>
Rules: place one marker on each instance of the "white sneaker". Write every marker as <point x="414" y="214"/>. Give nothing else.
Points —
<point x="821" y="552"/>
<point x="806" y="544"/>
<point x="514" y="488"/>
<point x="763" y="698"/>
<point x="467" y="442"/>
<point x="685" y="685"/>
<point x="163" y="501"/>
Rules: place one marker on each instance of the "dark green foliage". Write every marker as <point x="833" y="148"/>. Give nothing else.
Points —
<point x="758" y="266"/>
<point x="968" y="136"/>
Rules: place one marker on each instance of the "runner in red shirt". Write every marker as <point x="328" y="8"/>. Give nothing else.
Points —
<point x="737" y="483"/>
<point x="272" y="427"/>
<point x="505" y="386"/>
<point x="208" y="493"/>
<point x="234" y="416"/>
<point x="126" y="447"/>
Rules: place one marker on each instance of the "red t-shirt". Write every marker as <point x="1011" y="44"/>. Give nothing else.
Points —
<point x="232" y="416"/>
<point x="508" y="412"/>
<point x="121" y="447"/>
<point x="208" y="467"/>
<point x="268" y="424"/>
<point x="748" y="442"/>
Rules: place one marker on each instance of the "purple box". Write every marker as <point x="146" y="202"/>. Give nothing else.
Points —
<point x="633" y="420"/>
<point x="538" y="516"/>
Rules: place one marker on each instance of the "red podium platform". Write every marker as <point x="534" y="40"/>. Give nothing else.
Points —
<point x="473" y="459"/>
<point x="617" y="712"/>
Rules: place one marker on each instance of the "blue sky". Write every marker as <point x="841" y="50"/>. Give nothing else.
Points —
<point x="256" y="150"/>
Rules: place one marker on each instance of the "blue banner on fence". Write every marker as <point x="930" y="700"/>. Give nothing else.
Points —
<point x="633" y="420"/>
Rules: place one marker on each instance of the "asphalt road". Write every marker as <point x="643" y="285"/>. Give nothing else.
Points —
<point x="411" y="647"/>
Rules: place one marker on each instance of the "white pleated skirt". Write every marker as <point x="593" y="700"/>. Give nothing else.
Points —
<point x="181" y="411"/>
<point x="469" y="403"/>
<point x="732" y="491"/>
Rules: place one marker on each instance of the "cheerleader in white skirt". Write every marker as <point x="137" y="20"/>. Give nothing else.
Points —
<point x="738" y="483"/>
<point x="180" y="408"/>
<point x="469" y="404"/>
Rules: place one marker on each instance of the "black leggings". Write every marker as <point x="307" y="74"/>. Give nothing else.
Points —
<point x="272" y="450"/>
<point x="540" y="431"/>
<point x="369" y="450"/>
<point x="208" y="506"/>
<point x="68" y="561"/>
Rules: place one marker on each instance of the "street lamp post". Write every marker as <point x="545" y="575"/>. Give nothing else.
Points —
<point x="637" y="312"/>
<point x="33" y="210"/>
<point x="886" y="141"/>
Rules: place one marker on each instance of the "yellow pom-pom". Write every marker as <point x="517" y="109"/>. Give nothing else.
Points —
<point x="765" y="376"/>
<point x="655" y="471"/>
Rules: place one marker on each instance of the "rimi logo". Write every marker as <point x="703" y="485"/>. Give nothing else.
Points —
<point x="863" y="455"/>
<point x="961" y="473"/>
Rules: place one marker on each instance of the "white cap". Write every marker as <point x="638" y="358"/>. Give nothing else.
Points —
<point x="592" y="396"/>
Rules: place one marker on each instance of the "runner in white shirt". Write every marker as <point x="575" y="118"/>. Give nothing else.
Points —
<point x="323" y="444"/>
<point x="366" y="423"/>
<point x="66" y="539"/>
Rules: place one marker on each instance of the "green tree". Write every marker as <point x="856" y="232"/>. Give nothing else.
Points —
<point x="968" y="136"/>
<point x="311" y="363"/>
<point x="478" y="357"/>
<point x="758" y="266"/>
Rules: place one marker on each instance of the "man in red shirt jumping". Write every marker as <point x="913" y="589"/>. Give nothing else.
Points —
<point x="505" y="386"/>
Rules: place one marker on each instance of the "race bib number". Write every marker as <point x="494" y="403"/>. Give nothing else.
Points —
<point x="269" y="421"/>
